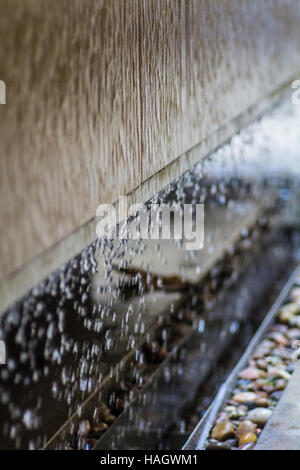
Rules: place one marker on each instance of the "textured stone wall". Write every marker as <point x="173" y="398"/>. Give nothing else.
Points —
<point x="102" y="94"/>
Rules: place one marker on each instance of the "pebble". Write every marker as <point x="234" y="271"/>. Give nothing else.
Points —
<point x="262" y="402"/>
<point x="276" y="395"/>
<point x="279" y="385"/>
<point x="251" y="373"/>
<point x="100" y="427"/>
<point x="266" y="387"/>
<point x="84" y="428"/>
<point x="279" y="373"/>
<point x="291" y="307"/>
<point x="245" y="427"/>
<point x="295" y="321"/>
<point x="244" y="384"/>
<point x="110" y="419"/>
<point x="246" y="438"/>
<point x="223" y="416"/>
<point x="222" y="431"/>
<point x="234" y="412"/>
<point x="251" y="363"/>
<point x="218" y="446"/>
<point x="283" y="355"/>
<point x="245" y="397"/>
<point x="259" y="416"/>
<point x="248" y="446"/>
<point x="262" y="394"/>
<point x="278" y="337"/>
<point x="274" y="361"/>
<point x="261" y="352"/>
<point x="295" y="293"/>
<point x="282" y="328"/>
<point x="293" y="333"/>
<point x="229" y="409"/>
<point x="232" y="402"/>
<point x="243" y="408"/>
<point x="263" y="374"/>
<point x="267" y="343"/>
<point x="290" y="367"/>
<point x="285" y="316"/>
<point x="262" y="364"/>
<point x="232" y="442"/>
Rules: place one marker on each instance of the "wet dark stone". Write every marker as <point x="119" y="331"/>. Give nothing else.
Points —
<point x="100" y="427"/>
<point x="251" y="405"/>
<point x="276" y="395"/>
<point x="109" y="419"/>
<point x="232" y="442"/>
<point x="248" y="446"/>
<point x="218" y="446"/>
<point x="290" y="368"/>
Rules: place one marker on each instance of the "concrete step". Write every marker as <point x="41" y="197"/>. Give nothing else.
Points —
<point x="282" y="431"/>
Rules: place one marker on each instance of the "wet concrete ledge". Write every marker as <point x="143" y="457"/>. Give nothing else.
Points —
<point x="282" y="431"/>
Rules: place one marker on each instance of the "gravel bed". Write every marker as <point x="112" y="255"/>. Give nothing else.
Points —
<point x="261" y="383"/>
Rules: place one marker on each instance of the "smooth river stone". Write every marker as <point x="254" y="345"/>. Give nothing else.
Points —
<point x="276" y="372"/>
<point x="218" y="446"/>
<point x="259" y="416"/>
<point x="262" y="402"/>
<point x="278" y="337"/>
<point x="293" y="333"/>
<point x="221" y="417"/>
<point x="247" y="438"/>
<point x="251" y="373"/>
<point x="295" y="293"/>
<point x="248" y="446"/>
<point x="245" y="427"/>
<point x="222" y="431"/>
<point x="245" y="397"/>
<point x="295" y="321"/>
<point x="262" y="364"/>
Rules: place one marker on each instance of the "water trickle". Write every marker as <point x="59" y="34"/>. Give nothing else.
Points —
<point x="74" y="329"/>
